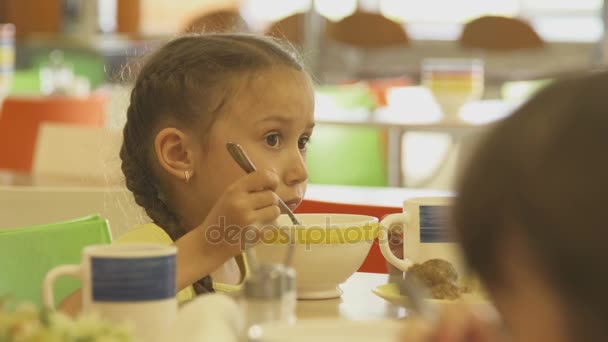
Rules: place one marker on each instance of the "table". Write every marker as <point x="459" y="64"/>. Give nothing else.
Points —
<point x="364" y="195"/>
<point x="358" y="309"/>
<point x="358" y="302"/>
<point x="15" y="178"/>
<point x="396" y="127"/>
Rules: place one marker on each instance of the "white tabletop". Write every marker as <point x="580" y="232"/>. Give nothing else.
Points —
<point x="358" y="302"/>
<point x="380" y="196"/>
<point x="474" y="115"/>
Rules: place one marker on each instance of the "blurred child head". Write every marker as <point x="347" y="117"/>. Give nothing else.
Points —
<point x="195" y="94"/>
<point x="532" y="214"/>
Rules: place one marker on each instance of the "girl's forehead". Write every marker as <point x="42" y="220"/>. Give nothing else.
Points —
<point x="282" y="91"/>
<point x="276" y="78"/>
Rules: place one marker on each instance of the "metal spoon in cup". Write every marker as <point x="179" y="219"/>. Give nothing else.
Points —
<point x="237" y="153"/>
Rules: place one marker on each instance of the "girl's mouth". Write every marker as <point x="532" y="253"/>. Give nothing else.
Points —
<point x="293" y="203"/>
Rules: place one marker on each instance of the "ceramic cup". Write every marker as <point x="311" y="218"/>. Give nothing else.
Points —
<point x="132" y="284"/>
<point x="329" y="248"/>
<point x="426" y="233"/>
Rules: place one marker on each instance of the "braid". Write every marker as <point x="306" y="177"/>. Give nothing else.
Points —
<point x="140" y="181"/>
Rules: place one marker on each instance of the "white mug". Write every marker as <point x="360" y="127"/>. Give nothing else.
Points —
<point x="132" y="284"/>
<point x="426" y="234"/>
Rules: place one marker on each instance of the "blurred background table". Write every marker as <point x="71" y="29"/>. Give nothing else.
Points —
<point x="364" y="195"/>
<point x="396" y="128"/>
<point x="15" y="178"/>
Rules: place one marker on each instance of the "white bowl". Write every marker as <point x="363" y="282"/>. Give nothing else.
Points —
<point x="329" y="249"/>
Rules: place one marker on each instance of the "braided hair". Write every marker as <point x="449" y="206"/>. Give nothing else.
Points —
<point x="187" y="81"/>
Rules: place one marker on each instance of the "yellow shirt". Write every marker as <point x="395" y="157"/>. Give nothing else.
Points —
<point x="151" y="233"/>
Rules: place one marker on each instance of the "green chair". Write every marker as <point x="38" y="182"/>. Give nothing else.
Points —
<point x="347" y="155"/>
<point x="28" y="253"/>
<point x="349" y="96"/>
<point x="25" y="82"/>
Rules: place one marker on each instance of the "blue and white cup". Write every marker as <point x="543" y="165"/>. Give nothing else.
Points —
<point x="426" y="233"/>
<point x="132" y="284"/>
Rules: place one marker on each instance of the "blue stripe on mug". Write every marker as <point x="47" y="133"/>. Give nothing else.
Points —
<point x="434" y="224"/>
<point x="134" y="279"/>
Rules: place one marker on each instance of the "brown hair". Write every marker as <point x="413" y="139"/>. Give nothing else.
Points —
<point x="542" y="174"/>
<point x="185" y="83"/>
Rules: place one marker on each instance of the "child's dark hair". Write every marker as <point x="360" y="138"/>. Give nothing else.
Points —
<point x="542" y="175"/>
<point x="185" y="83"/>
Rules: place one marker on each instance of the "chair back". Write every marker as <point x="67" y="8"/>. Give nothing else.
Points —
<point x="21" y="118"/>
<point x="375" y="261"/>
<point x="27" y="254"/>
<point x="495" y="33"/>
<point x="22" y="206"/>
<point x="367" y="30"/>
<point x="350" y="155"/>
<point x="346" y="155"/>
<point x="89" y="154"/>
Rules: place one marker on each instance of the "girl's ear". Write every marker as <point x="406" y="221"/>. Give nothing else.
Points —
<point x="175" y="152"/>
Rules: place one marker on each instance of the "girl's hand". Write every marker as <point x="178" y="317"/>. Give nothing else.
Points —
<point x="458" y="323"/>
<point x="237" y="218"/>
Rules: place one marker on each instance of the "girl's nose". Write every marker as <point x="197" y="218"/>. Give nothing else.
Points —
<point x="297" y="172"/>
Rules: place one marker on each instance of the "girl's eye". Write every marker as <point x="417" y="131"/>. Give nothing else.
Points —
<point x="303" y="142"/>
<point x="273" y="140"/>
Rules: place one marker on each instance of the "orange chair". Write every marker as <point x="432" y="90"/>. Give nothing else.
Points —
<point x="375" y="262"/>
<point x="497" y="33"/>
<point x="21" y="117"/>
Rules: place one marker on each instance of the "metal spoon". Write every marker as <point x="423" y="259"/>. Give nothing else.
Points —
<point x="418" y="295"/>
<point x="237" y="153"/>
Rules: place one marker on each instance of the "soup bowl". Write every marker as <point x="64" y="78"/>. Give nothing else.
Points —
<point x="328" y="249"/>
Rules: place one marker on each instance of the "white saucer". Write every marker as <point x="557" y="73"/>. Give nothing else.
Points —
<point x="390" y="292"/>
<point x="330" y="293"/>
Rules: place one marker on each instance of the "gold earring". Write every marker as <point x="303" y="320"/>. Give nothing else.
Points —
<point x="187" y="176"/>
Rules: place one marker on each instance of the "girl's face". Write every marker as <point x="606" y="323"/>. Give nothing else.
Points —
<point x="271" y="115"/>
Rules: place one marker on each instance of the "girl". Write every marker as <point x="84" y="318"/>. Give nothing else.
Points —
<point x="191" y="97"/>
<point x="531" y="216"/>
